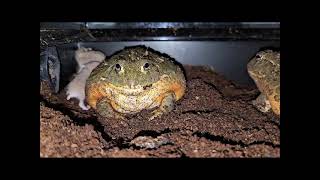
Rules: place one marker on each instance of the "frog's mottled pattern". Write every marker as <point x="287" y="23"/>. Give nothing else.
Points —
<point x="115" y="91"/>
<point x="264" y="69"/>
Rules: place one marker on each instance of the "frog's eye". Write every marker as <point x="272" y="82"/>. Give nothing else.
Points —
<point x="118" y="67"/>
<point x="146" y="66"/>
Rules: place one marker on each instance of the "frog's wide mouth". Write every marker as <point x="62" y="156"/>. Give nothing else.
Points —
<point x="131" y="90"/>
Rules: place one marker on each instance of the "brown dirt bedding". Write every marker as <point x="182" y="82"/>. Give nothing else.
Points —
<point x="215" y="118"/>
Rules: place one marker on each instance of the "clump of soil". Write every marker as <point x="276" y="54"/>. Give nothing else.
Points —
<point x="215" y="118"/>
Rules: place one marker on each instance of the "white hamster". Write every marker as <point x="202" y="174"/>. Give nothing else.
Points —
<point x="87" y="60"/>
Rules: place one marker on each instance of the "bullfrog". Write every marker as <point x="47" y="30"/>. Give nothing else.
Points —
<point x="264" y="69"/>
<point x="135" y="79"/>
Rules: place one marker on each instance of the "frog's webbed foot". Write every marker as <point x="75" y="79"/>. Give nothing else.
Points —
<point x="167" y="105"/>
<point x="105" y="109"/>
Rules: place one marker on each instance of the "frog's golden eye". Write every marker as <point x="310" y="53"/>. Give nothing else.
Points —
<point x="146" y="66"/>
<point x="118" y="67"/>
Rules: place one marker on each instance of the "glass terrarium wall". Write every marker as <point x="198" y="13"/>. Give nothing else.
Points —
<point x="225" y="47"/>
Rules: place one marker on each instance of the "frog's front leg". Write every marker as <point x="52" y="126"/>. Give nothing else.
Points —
<point x="166" y="105"/>
<point x="262" y="103"/>
<point x="105" y="109"/>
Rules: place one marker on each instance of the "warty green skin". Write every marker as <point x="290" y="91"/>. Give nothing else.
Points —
<point x="132" y="73"/>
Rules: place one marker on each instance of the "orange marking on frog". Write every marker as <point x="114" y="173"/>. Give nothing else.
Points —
<point x="94" y="94"/>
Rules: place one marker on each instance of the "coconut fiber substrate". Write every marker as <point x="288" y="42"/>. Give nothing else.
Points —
<point x="215" y="118"/>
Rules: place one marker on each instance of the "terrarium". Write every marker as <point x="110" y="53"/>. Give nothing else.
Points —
<point x="160" y="89"/>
